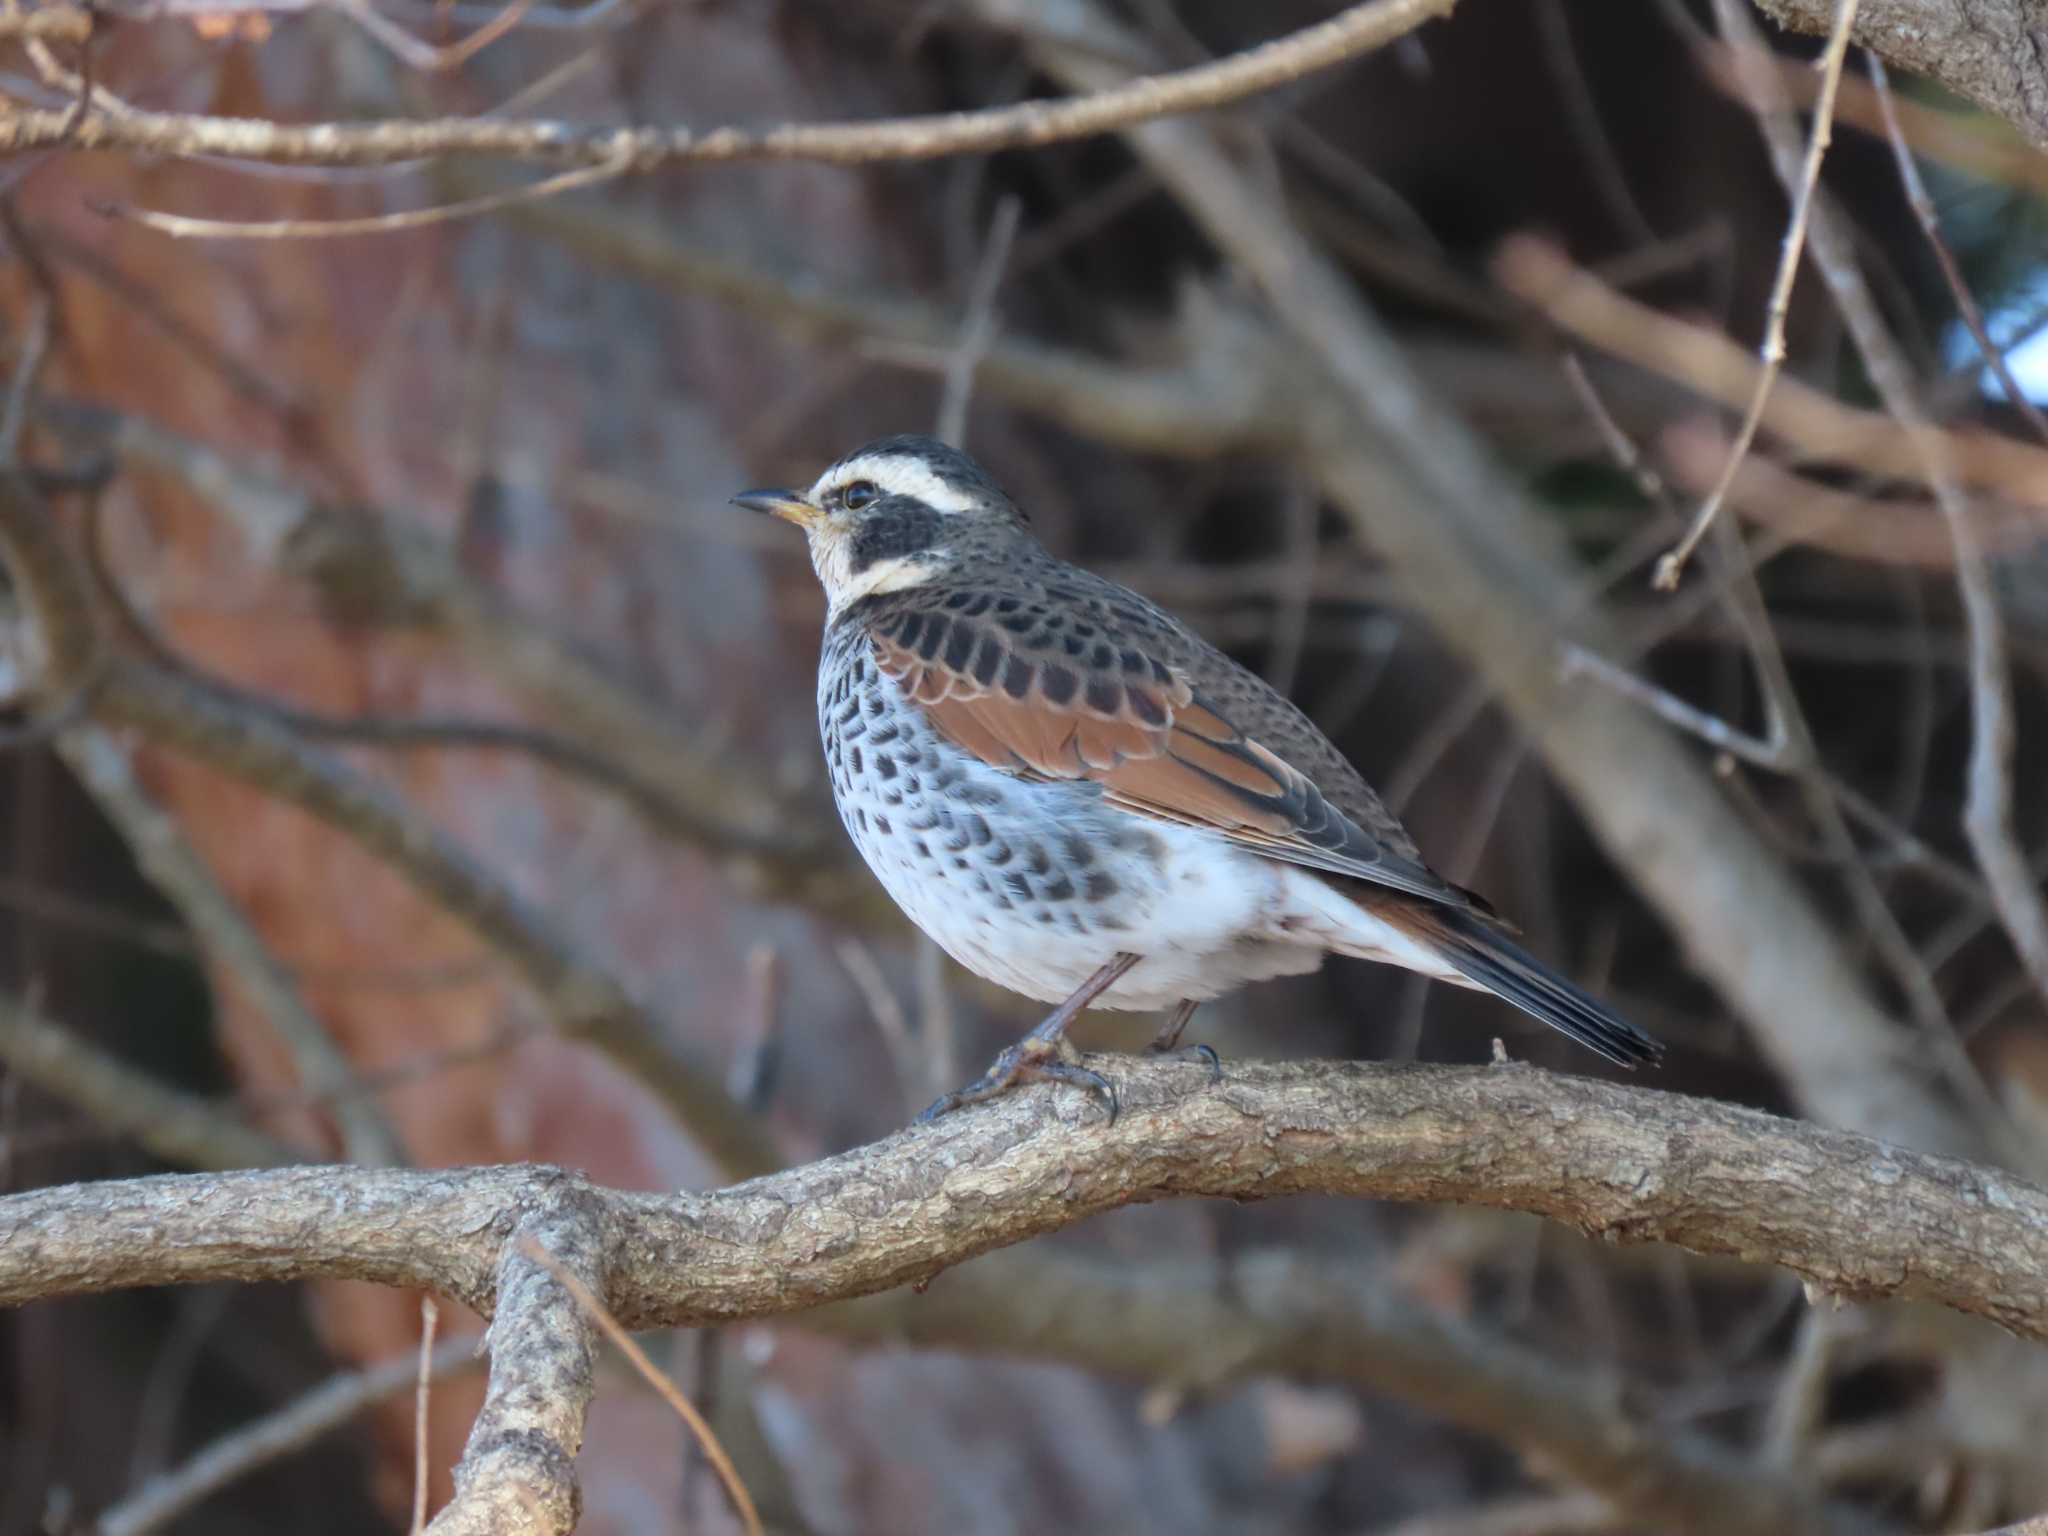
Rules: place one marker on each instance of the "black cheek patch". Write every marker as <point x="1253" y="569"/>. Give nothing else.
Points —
<point x="898" y="526"/>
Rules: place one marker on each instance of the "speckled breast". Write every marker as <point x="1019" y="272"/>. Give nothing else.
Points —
<point x="1031" y="885"/>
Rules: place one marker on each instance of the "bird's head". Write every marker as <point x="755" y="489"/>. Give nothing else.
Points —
<point x="893" y="515"/>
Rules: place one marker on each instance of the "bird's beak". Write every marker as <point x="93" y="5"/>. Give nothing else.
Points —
<point x="790" y="506"/>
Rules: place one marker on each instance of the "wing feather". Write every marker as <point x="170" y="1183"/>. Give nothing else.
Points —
<point x="1138" y="727"/>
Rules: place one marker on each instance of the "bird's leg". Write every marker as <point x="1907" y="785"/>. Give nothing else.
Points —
<point x="1036" y="1058"/>
<point x="1167" y="1041"/>
<point x="1176" y="1021"/>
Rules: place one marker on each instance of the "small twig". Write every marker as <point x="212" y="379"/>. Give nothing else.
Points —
<point x="1797" y="1406"/>
<point x="1539" y="1514"/>
<point x="742" y="1501"/>
<point x="1620" y="446"/>
<point x="1705" y="361"/>
<point x="1964" y="141"/>
<point x="1575" y="100"/>
<point x="891" y="1022"/>
<point x="28" y="368"/>
<point x="54" y="24"/>
<point x="185" y="227"/>
<point x="757" y="1055"/>
<point x="978" y="329"/>
<point x="1672" y="565"/>
<point x="180" y="1128"/>
<point x="86" y="83"/>
<point x="430" y="1320"/>
<point x="1024" y="125"/>
<point x="429" y="58"/>
<point x="1577" y="661"/>
<point x="1922" y="205"/>
<point x="164" y="854"/>
<point x="276" y="1435"/>
<point x="1802" y="510"/>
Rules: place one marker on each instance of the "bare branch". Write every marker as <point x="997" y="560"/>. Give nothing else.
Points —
<point x="1852" y="1216"/>
<point x="163" y="853"/>
<point x="518" y="1472"/>
<point x="1198" y="1326"/>
<point x="177" y="1127"/>
<point x="181" y="226"/>
<point x="1672" y="565"/>
<point x="255" y="1445"/>
<point x="1816" y="424"/>
<point x="51" y="24"/>
<point x="978" y="329"/>
<point x="700" y="1431"/>
<point x="1027" y="124"/>
<point x="430" y="1319"/>
<point x="587" y="1001"/>
<point x="1922" y="203"/>
<point x="1233" y="402"/>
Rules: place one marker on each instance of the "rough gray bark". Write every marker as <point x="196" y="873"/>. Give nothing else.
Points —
<point x="1854" y="1217"/>
<point x="1993" y="51"/>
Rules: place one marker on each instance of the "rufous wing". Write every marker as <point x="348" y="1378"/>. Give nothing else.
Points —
<point x="1140" y="729"/>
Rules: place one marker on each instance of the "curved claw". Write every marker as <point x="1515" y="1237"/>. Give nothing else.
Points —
<point x="1080" y="1077"/>
<point x="1022" y="1063"/>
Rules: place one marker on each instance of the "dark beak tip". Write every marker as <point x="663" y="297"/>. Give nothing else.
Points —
<point x="763" y="500"/>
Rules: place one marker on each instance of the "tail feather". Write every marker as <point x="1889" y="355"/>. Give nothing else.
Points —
<point x="1487" y="957"/>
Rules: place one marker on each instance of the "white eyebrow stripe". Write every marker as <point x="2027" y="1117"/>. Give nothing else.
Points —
<point x="896" y="475"/>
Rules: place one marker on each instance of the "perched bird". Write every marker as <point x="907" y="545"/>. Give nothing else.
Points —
<point x="1081" y="800"/>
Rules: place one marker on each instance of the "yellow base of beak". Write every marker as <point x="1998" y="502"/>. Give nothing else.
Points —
<point x="790" y="506"/>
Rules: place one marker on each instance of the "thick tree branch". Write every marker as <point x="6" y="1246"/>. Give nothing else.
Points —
<point x="518" y="1471"/>
<point x="1854" y="1217"/>
<point x="1027" y="124"/>
<point x="1993" y="51"/>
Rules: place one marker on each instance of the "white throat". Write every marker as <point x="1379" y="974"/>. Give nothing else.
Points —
<point x="832" y="559"/>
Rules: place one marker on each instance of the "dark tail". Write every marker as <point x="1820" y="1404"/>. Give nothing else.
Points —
<point x="1483" y="954"/>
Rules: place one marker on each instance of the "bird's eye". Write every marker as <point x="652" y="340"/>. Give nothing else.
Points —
<point x="859" y="494"/>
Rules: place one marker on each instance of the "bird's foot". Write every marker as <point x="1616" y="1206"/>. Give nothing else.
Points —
<point x="1030" y="1060"/>
<point x="1195" y="1052"/>
<point x="1167" y="1041"/>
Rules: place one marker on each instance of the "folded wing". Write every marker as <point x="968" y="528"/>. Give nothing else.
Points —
<point x="1112" y="714"/>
